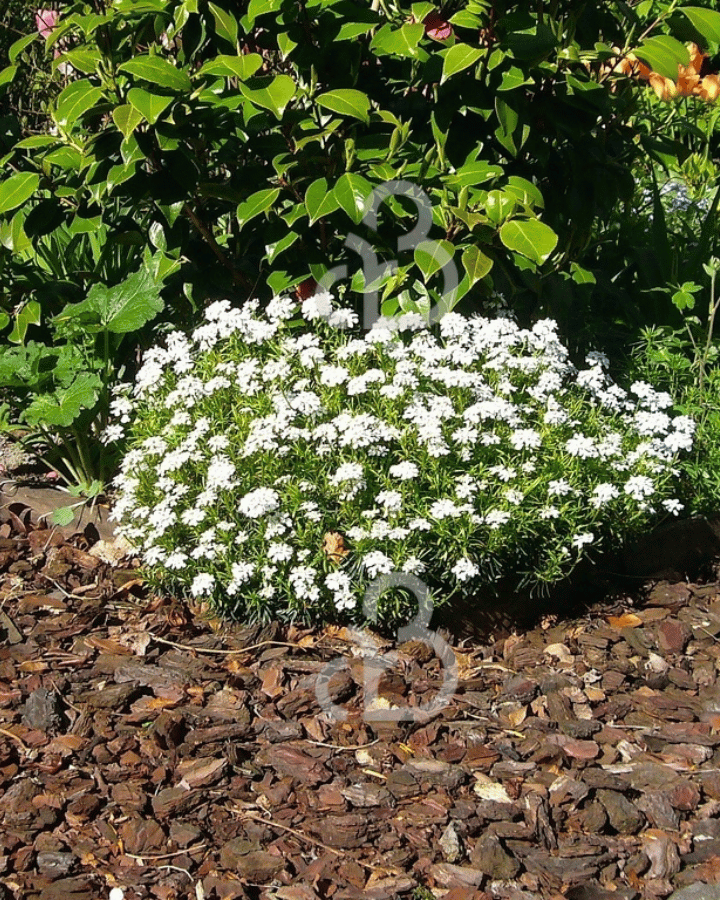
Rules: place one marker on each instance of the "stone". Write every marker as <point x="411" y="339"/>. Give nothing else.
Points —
<point x="43" y="711"/>
<point x="451" y="844"/>
<point x="489" y="856"/>
<point x="697" y="892"/>
<point x="623" y="815"/>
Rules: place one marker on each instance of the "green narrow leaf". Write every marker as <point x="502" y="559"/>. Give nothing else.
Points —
<point x="16" y="189"/>
<point x="257" y="203"/>
<point x="77" y="98"/>
<point x="458" y="58"/>
<point x="348" y="103"/>
<point x="533" y="239"/>
<point x="351" y="192"/>
<point x="159" y="71"/>
<point x="476" y="264"/>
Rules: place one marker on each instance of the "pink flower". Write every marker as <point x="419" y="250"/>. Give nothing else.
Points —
<point x="45" y="21"/>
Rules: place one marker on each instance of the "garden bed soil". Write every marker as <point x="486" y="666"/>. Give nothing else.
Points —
<point x="147" y="747"/>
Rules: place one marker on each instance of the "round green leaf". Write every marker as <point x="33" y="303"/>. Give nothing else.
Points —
<point x="348" y="103"/>
<point x="531" y="238"/>
<point x="16" y="189"/>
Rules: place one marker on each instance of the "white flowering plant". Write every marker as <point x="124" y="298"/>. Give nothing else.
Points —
<point x="278" y="462"/>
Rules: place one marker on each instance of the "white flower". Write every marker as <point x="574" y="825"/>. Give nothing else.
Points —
<point x="259" y="502"/>
<point x="331" y="376"/>
<point x="319" y="306"/>
<point x="525" y="437"/>
<point x="464" y="569"/>
<point x="639" y="487"/>
<point x="202" y="585"/>
<point x="279" y="552"/>
<point x="496" y="517"/>
<point x="579" y="540"/>
<point x="404" y="471"/>
<point x="673" y="506"/>
<point x="376" y="563"/>
<point x="391" y="501"/>
<point x="559" y="488"/>
<point x="413" y="566"/>
<point x="443" y="509"/>
<point x="340" y="585"/>
<point x="603" y="493"/>
<point x="343" y="319"/>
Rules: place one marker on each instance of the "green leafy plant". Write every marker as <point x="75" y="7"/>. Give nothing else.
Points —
<point x="685" y="362"/>
<point x="60" y="389"/>
<point x="277" y="465"/>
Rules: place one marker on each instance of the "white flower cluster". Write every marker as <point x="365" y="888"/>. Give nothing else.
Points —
<point x="252" y="444"/>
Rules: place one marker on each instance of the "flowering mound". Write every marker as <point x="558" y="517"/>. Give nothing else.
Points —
<point x="276" y="467"/>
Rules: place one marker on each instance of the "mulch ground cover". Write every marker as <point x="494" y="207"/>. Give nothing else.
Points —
<point x="148" y="748"/>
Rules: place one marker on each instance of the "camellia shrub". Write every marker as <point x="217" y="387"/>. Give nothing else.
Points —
<point x="278" y="463"/>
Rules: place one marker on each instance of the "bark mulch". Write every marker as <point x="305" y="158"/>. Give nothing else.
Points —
<point x="145" y="748"/>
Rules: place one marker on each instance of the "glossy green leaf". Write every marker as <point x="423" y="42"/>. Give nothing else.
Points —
<point x="28" y="315"/>
<point x="347" y="102"/>
<point x="241" y="67"/>
<point x="257" y="203"/>
<point x="77" y="98"/>
<point x="127" y="118"/>
<point x="351" y="192"/>
<point x="226" y="24"/>
<point x="157" y="70"/>
<point x="275" y="249"/>
<point x="147" y="105"/>
<point x="270" y="93"/>
<point x="21" y="44"/>
<point x="431" y="256"/>
<point x="531" y="238"/>
<point x="319" y="201"/>
<point x="16" y="189"/>
<point x="401" y="41"/>
<point x="663" y="54"/>
<point x="473" y="173"/>
<point x="706" y="21"/>
<point x="458" y="58"/>
<point x="8" y="74"/>
<point x="476" y="264"/>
